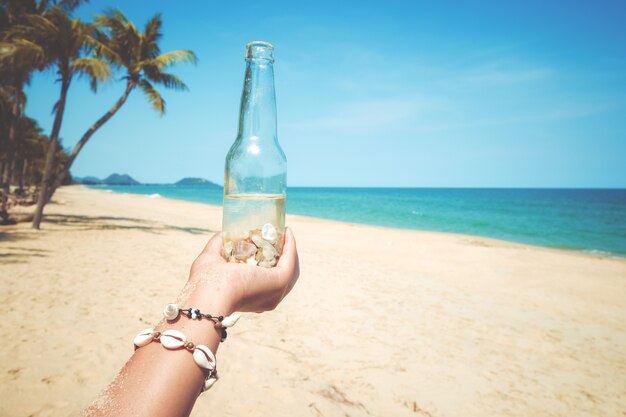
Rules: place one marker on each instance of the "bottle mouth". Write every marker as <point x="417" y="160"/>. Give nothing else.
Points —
<point x="260" y="50"/>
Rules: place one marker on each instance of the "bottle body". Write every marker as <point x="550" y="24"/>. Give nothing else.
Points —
<point x="255" y="177"/>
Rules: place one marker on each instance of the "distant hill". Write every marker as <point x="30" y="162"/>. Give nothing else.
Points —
<point x="196" y="181"/>
<point x="86" y="180"/>
<point x="120" y="179"/>
<point x="125" y="179"/>
<point x="113" y="179"/>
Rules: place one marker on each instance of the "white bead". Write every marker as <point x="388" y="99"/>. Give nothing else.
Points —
<point x="208" y="383"/>
<point x="143" y="338"/>
<point x="204" y="357"/>
<point x="171" y="311"/>
<point x="173" y="339"/>
<point x="230" y="321"/>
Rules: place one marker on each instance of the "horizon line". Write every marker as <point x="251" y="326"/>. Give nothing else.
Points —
<point x="390" y="187"/>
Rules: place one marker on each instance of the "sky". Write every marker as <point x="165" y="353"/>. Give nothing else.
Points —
<point x="378" y="93"/>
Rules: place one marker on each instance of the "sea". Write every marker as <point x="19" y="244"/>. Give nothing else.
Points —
<point x="588" y="220"/>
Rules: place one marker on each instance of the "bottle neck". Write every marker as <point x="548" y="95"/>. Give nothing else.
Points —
<point x="257" y="117"/>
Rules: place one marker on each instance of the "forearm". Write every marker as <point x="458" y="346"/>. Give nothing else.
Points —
<point x="161" y="382"/>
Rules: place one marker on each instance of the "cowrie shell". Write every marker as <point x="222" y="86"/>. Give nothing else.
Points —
<point x="208" y="383"/>
<point x="143" y="338"/>
<point x="204" y="357"/>
<point x="173" y="339"/>
<point x="230" y="321"/>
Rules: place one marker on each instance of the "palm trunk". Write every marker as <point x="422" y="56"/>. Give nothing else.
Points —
<point x="48" y="177"/>
<point x="89" y="133"/>
<point x="26" y="174"/>
<point x="4" y="216"/>
<point x="20" y="177"/>
<point x="12" y="170"/>
<point x="7" y="174"/>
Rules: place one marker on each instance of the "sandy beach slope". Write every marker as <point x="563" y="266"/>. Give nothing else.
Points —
<point x="382" y="323"/>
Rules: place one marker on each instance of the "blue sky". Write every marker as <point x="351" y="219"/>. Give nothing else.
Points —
<point x="424" y="94"/>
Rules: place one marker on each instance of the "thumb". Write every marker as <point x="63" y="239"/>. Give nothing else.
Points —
<point x="213" y="246"/>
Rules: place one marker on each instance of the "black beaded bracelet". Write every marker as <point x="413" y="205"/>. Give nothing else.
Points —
<point x="172" y="311"/>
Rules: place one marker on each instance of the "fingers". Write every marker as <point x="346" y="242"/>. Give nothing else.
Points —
<point x="288" y="257"/>
<point x="289" y="262"/>
<point x="255" y="288"/>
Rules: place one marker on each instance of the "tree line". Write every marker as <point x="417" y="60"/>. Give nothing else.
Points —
<point x="40" y="35"/>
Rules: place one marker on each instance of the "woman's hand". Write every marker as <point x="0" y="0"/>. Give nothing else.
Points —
<point x="232" y="287"/>
<point x="144" y="386"/>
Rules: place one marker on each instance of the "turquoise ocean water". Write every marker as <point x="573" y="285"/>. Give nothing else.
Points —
<point x="586" y="220"/>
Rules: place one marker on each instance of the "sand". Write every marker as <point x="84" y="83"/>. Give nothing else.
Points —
<point x="383" y="322"/>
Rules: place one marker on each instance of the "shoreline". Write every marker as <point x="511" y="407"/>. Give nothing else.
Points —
<point x="595" y="253"/>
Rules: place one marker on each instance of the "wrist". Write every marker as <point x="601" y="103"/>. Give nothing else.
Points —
<point x="212" y="291"/>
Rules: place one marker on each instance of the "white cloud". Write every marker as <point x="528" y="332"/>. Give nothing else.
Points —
<point x="496" y="73"/>
<point x="368" y="114"/>
<point x="566" y="111"/>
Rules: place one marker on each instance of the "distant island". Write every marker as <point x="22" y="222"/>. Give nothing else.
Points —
<point x="197" y="181"/>
<point x="113" y="179"/>
<point x="125" y="179"/>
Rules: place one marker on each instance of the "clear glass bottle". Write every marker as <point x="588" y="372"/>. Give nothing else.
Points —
<point x="255" y="177"/>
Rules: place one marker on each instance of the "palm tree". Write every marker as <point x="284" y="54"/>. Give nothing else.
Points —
<point x="140" y="55"/>
<point x="19" y="57"/>
<point x="11" y="106"/>
<point x="17" y="61"/>
<point x="28" y="147"/>
<point x="65" y="42"/>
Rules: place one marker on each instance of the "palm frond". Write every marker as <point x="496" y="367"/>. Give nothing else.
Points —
<point x="113" y="19"/>
<point x="42" y="6"/>
<point x="167" y="80"/>
<point x="151" y="36"/>
<point x="96" y="69"/>
<point x="33" y="27"/>
<point x="68" y="6"/>
<point x="103" y="49"/>
<point x="173" y="57"/>
<point x="122" y="37"/>
<point x="20" y="57"/>
<point x="153" y="96"/>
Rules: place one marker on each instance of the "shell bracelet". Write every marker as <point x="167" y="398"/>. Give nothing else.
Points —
<point x="174" y="339"/>
<point x="172" y="311"/>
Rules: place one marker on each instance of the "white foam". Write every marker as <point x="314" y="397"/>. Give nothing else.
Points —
<point x="156" y="195"/>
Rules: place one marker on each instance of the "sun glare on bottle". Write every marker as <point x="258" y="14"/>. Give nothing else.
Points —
<point x="254" y="149"/>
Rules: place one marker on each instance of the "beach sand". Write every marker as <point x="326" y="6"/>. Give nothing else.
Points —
<point x="382" y="322"/>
